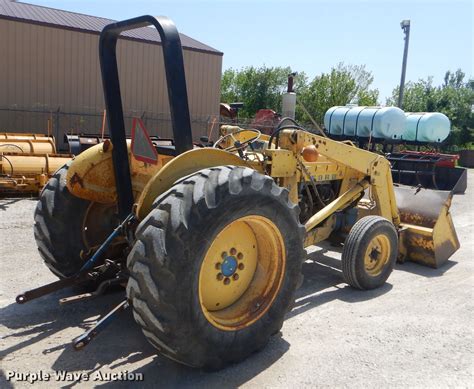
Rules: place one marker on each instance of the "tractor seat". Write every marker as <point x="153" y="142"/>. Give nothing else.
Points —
<point x="164" y="146"/>
<point x="166" y="150"/>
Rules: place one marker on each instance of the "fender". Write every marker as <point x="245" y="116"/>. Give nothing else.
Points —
<point x="179" y="167"/>
<point x="91" y="174"/>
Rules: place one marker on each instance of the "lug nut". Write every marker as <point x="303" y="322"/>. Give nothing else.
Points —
<point x="220" y="277"/>
<point x="218" y="265"/>
<point x="241" y="266"/>
<point x="240" y="256"/>
<point x="226" y="281"/>
<point x="224" y="254"/>
<point x="233" y="251"/>
<point x="235" y="277"/>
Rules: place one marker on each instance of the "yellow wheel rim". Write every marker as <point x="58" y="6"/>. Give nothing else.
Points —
<point x="377" y="255"/>
<point x="242" y="272"/>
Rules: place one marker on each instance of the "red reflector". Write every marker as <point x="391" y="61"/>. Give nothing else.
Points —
<point x="142" y="146"/>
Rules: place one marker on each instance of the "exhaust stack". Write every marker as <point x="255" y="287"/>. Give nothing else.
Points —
<point x="289" y="98"/>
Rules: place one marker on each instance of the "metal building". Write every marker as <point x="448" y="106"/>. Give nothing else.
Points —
<point x="50" y="76"/>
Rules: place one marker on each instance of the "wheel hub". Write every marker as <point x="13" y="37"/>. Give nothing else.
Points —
<point x="374" y="254"/>
<point x="377" y="255"/>
<point x="229" y="266"/>
<point x="241" y="272"/>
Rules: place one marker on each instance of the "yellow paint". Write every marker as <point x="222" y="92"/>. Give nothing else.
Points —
<point x="429" y="246"/>
<point x="377" y="255"/>
<point x="237" y="241"/>
<point x="30" y="165"/>
<point x="179" y="167"/>
<point x="21" y="145"/>
<point x="355" y="164"/>
<point x="232" y="304"/>
<point x="20" y="136"/>
<point x="91" y="174"/>
<point x="337" y="204"/>
<point x="320" y="233"/>
<point x="27" y="172"/>
<point x="91" y="177"/>
<point x="282" y="163"/>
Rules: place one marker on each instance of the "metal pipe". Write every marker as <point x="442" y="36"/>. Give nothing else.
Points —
<point x="405" y="25"/>
<point x="339" y="203"/>
<point x="97" y="255"/>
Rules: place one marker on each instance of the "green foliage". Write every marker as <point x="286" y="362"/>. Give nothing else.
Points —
<point x="454" y="98"/>
<point x="257" y="88"/>
<point x="262" y="87"/>
<point x="342" y="85"/>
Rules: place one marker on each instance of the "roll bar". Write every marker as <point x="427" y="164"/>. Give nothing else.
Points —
<point x="178" y="97"/>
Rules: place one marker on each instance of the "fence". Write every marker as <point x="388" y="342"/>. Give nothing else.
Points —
<point x="59" y="122"/>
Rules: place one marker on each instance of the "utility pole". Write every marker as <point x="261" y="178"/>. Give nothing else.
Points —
<point x="405" y="25"/>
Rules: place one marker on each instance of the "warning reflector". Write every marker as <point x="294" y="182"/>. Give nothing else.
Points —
<point x="142" y="147"/>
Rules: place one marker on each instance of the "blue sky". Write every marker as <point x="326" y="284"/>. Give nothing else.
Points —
<point x="313" y="36"/>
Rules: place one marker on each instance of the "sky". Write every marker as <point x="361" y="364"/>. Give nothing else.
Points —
<point x="313" y="36"/>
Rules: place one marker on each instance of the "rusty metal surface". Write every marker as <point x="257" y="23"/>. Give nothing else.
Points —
<point x="27" y="173"/>
<point x="428" y="234"/>
<point x="91" y="174"/>
<point x="421" y="206"/>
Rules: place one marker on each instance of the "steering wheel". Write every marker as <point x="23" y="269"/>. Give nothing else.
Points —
<point x="237" y="144"/>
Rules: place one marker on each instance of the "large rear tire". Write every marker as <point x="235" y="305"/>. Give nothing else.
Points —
<point x="59" y="227"/>
<point x="215" y="266"/>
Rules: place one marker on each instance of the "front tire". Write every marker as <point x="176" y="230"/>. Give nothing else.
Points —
<point x="215" y="266"/>
<point x="369" y="253"/>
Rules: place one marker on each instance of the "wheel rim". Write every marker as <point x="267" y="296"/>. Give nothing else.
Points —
<point x="98" y="223"/>
<point x="377" y="255"/>
<point x="242" y="272"/>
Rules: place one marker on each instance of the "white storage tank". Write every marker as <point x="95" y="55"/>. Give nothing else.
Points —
<point x="379" y="122"/>
<point x="432" y="127"/>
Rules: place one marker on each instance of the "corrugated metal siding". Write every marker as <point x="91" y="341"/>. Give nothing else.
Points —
<point x="47" y="68"/>
<point x="35" y="14"/>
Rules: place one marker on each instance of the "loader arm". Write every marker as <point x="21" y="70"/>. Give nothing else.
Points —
<point x="374" y="167"/>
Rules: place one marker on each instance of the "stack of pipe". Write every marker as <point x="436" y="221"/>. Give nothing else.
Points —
<point x="26" y="162"/>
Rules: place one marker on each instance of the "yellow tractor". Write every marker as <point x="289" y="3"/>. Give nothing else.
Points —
<point x="209" y="240"/>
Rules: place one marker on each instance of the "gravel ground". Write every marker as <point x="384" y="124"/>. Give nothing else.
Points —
<point x="416" y="331"/>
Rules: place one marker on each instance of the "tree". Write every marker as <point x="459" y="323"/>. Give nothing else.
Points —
<point x="342" y="85"/>
<point x="454" y="98"/>
<point x="257" y="88"/>
<point x="263" y="87"/>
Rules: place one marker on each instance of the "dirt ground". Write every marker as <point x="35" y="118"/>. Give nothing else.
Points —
<point x="415" y="331"/>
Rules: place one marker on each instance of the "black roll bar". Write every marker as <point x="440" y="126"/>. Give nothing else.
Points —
<point x="178" y="97"/>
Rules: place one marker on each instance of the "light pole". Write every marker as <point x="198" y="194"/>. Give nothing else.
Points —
<point x="405" y="25"/>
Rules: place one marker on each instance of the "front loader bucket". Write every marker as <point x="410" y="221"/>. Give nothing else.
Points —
<point x="427" y="231"/>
